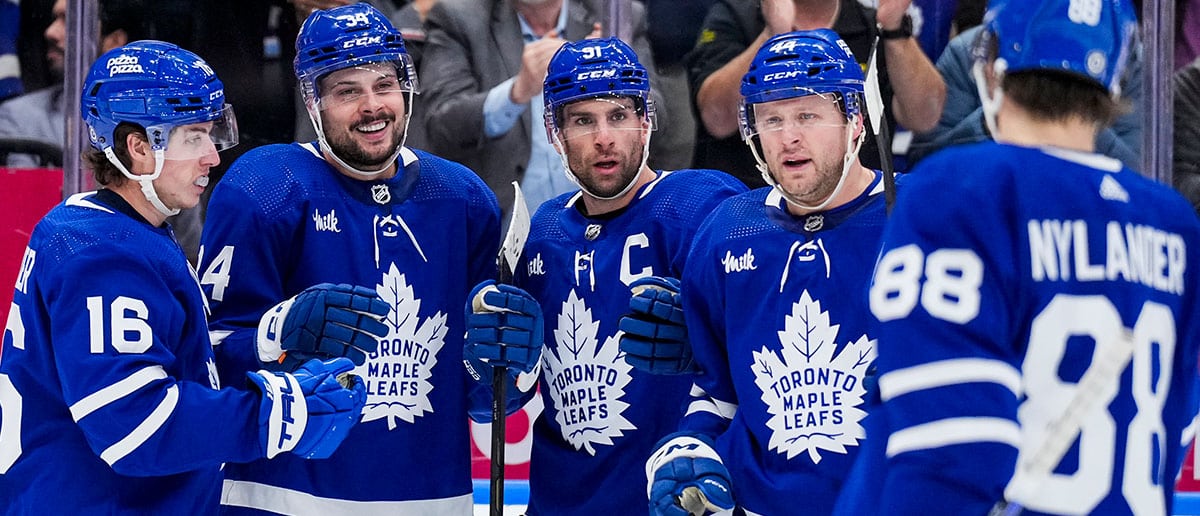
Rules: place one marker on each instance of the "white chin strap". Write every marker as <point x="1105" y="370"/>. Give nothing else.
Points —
<point x="315" y="117"/>
<point x="146" y="182"/>
<point x="990" y="103"/>
<point x="852" y="145"/>
<point x="562" y="156"/>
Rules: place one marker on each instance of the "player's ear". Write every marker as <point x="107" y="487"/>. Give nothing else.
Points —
<point x="140" y="153"/>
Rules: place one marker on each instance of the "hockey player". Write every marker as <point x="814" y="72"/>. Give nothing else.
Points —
<point x="1038" y="301"/>
<point x="109" y="398"/>
<point x="627" y="227"/>
<point x="774" y="297"/>
<point x="356" y="206"/>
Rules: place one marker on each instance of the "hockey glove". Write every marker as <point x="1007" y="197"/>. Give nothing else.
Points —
<point x="308" y="412"/>
<point x="654" y="336"/>
<point x="687" y="477"/>
<point x="323" y="321"/>
<point x="504" y="328"/>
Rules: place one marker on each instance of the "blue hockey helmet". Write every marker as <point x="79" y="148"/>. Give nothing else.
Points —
<point x="348" y="36"/>
<point x="1090" y="39"/>
<point x="798" y="64"/>
<point x="158" y="86"/>
<point x="592" y="68"/>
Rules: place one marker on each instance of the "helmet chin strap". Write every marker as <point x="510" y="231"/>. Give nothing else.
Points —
<point x="146" y="182"/>
<point x="365" y="174"/>
<point x="852" y="145"/>
<point x="990" y="103"/>
<point x="575" y="179"/>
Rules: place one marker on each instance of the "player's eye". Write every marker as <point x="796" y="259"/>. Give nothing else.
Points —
<point x="387" y="86"/>
<point x="771" y="123"/>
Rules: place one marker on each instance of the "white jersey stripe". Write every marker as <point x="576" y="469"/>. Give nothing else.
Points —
<point x="702" y="402"/>
<point x="116" y="391"/>
<point x="954" y="431"/>
<point x="144" y="430"/>
<point x="288" y="501"/>
<point x="949" y="372"/>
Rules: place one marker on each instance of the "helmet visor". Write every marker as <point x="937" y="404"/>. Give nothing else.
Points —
<point x="385" y="79"/>
<point x="196" y="140"/>
<point x="803" y="113"/>
<point x="590" y="116"/>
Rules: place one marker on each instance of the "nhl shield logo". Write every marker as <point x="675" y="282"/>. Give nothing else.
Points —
<point x="381" y="194"/>
<point x="592" y="232"/>
<point x="814" y="223"/>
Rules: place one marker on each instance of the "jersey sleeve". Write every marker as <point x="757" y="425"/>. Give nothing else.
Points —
<point x="713" y="400"/>
<point x="242" y="263"/>
<point x="485" y="245"/>
<point x="117" y="354"/>
<point x="949" y="370"/>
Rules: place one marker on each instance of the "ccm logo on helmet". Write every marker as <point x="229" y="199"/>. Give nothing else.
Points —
<point x="781" y="75"/>
<point x="595" y="74"/>
<point x="123" y="64"/>
<point x="365" y="40"/>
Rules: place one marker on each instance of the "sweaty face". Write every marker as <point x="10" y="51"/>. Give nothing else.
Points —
<point x="362" y="114"/>
<point x="803" y="144"/>
<point x="603" y="140"/>
<point x="190" y="154"/>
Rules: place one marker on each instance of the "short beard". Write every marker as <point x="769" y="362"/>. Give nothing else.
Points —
<point x="828" y="174"/>
<point x="357" y="157"/>
<point x="628" y="175"/>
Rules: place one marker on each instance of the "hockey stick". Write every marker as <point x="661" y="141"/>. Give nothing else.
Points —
<point x="1061" y="432"/>
<point x="506" y="263"/>
<point x="879" y="125"/>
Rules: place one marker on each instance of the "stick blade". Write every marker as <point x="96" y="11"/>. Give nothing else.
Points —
<point x="518" y="232"/>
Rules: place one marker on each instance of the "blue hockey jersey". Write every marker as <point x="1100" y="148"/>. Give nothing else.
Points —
<point x="282" y="220"/>
<point x="776" y="312"/>
<point x="1008" y="274"/>
<point x="602" y="417"/>
<point x="109" y="400"/>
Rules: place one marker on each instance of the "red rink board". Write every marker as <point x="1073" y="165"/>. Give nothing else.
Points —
<point x="26" y="194"/>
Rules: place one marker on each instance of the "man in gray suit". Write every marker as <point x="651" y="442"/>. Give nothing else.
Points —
<point x="481" y="80"/>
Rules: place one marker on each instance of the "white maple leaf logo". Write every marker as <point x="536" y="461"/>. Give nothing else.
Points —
<point x="397" y="375"/>
<point x="587" y="381"/>
<point x="813" y="397"/>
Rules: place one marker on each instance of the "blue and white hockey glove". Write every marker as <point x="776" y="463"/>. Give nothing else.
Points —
<point x="323" y="321"/>
<point x="504" y="328"/>
<point x="687" y="477"/>
<point x="654" y="336"/>
<point x="308" y="412"/>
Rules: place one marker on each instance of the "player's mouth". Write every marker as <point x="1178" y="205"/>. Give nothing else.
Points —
<point x="796" y="163"/>
<point x="374" y="130"/>
<point x="606" y="166"/>
<point x="371" y="127"/>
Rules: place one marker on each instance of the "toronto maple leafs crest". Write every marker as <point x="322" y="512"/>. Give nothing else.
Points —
<point x="814" y="397"/>
<point x="587" y="380"/>
<point x="398" y="374"/>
